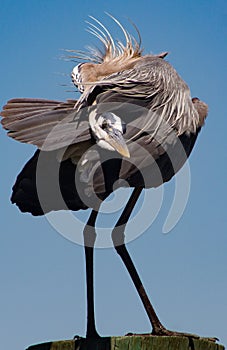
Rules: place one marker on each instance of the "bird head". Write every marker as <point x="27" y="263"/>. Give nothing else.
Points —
<point x="108" y="130"/>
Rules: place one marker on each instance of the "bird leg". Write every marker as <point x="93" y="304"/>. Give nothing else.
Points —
<point x="89" y="241"/>
<point x="118" y="238"/>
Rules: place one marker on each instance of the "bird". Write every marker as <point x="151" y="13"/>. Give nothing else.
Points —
<point x="133" y="125"/>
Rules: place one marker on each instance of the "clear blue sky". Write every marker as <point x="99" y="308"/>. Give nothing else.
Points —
<point x="42" y="294"/>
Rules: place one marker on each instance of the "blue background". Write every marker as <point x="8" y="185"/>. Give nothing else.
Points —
<point x="42" y="293"/>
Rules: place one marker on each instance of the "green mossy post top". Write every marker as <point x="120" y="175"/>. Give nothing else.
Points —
<point x="130" y="343"/>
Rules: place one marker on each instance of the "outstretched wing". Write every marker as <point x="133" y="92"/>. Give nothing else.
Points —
<point x="48" y="124"/>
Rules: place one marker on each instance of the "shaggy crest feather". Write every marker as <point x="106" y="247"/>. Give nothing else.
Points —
<point x="114" y="50"/>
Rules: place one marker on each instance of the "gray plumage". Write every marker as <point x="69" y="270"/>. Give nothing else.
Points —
<point x="134" y="123"/>
<point x="144" y="91"/>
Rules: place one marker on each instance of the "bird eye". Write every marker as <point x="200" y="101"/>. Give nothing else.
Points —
<point x="104" y="124"/>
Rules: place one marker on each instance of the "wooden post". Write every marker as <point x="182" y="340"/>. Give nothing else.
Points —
<point x="131" y="343"/>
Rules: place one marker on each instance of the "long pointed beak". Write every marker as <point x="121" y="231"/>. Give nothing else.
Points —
<point x="115" y="138"/>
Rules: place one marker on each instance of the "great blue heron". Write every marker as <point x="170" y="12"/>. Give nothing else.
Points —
<point x="135" y="122"/>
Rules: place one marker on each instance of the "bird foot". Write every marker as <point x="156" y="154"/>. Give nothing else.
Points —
<point x="165" y="332"/>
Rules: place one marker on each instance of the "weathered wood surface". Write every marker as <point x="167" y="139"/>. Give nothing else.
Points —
<point x="130" y="343"/>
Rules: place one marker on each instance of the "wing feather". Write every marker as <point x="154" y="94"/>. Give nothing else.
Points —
<point x="47" y="124"/>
